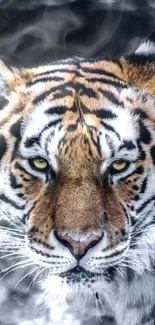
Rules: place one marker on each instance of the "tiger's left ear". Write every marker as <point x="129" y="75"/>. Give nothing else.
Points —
<point x="10" y="79"/>
<point x="6" y="77"/>
<point x="139" y="68"/>
<point x="13" y="96"/>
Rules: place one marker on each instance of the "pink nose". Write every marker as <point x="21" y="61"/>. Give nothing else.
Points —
<point x="77" y="248"/>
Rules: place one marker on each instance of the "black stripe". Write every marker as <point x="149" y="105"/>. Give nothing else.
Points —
<point x="13" y="181"/>
<point x="16" y="129"/>
<point x="3" y="102"/>
<point x="78" y="86"/>
<point x="29" y="142"/>
<point x="104" y="114"/>
<point x="101" y="113"/>
<point x="139" y="170"/>
<point x="110" y="128"/>
<point x="19" y="167"/>
<point x="107" y="81"/>
<point x="108" y="256"/>
<point x="48" y="126"/>
<point x="59" y="110"/>
<point x="46" y="79"/>
<point x="152" y="151"/>
<point x="144" y="185"/>
<point x="96" y="143"/>
<point x="45" y="73"/>
<point x="72" y="127"/>
<point x="140" y="226"/>
<point x="42" y="96"/>
<point x="142" y="154"/>
<point x="110" y="96"/>
<point x="105" y="59"/>
<point x="87" y="91"/>
<point x="62" y="94"/>
<point x="142" y="115"/>
<point x="26" y="215"/>
<point x="4" y="198"/>
<point x="15" y="149"/>
<point x="144" y="205"/>
<point x="129" y="145"/>
<point x="101" y="72"/>
<point x="3" y="146"/>
<point x="144" y="133"/>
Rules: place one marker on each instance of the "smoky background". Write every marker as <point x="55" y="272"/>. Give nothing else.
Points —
<point x="33" y="32"/>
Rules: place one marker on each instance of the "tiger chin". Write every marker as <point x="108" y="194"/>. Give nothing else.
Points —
<point x="77" y="170"/>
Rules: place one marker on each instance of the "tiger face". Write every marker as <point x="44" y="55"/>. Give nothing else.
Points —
<point x="77" y="167"/>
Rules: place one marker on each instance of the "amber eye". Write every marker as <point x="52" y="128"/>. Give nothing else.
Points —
<point x="39" y="163"/>
<point x="119" y="166"/>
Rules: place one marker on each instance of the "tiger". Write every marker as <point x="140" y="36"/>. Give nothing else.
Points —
<point x="77" y="170"/>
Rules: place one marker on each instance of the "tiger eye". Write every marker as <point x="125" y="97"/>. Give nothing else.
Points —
<point x="39" y="163"/>
<point x="119" y="165"/>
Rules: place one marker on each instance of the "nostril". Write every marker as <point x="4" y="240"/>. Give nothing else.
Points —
<point x="78" y="248"/>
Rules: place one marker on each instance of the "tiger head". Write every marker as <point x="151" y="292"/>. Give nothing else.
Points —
<point x="77" y="149"/>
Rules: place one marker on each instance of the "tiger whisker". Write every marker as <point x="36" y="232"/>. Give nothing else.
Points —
<point x="35" y="269"/>
<point x="8" y="255"/>
<point x="11" y="250"/>
<point x="12" y="230"/>
<point x="26" y="275"/>
<point x="12" y="246"/>
<point x="15" y="268"/>
<point x="34" y="279"/>
<point x="11" y="235"/>
<point x="12" y="266"/>
<point x="144" y="230"/>
<point x="135" y="266"/>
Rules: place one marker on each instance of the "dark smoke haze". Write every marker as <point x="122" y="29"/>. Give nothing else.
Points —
<point x="38" y="31"/>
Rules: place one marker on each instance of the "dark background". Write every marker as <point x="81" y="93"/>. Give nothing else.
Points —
<point x="34" y="32"/>
<point x="38" y="31"/>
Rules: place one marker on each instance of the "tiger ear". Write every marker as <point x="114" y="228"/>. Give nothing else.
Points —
<point x="146" y="48"/>
<point x="139" y="68"/>
<point x="6" y="79"/>
<point x="6" y="76"/>
<point x="12" y="81"/>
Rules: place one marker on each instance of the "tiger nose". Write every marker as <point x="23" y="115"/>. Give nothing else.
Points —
<point x="78" y="248"/>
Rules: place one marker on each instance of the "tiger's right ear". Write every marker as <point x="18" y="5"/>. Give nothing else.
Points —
<point x="139" y="68"/>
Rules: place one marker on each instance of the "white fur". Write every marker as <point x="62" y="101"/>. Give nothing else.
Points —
<point x="147" y="47"/>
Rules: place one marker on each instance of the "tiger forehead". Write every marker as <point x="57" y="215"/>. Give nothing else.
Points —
<point x="81" y="145"/>
<point x="81" y="113"/>
<point x="63" y="82"/>
<point x="81" y="126"/>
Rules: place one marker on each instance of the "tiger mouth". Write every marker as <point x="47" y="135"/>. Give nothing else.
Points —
<point x="78" y="273"/>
